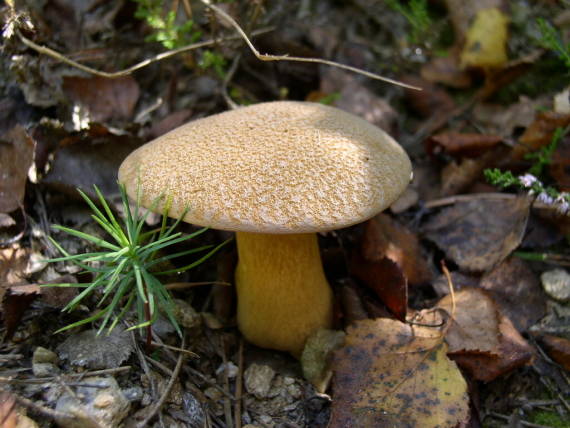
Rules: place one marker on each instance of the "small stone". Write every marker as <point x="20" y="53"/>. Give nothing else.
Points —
<point x="230" y="368"/>
<point x="257" y="379"/>
<point x="43" y="355"/>
<point x="556" y="284"/>
<point x="186" y="315"/>
<point x="133" y="394"/>
<point x="101" y="403"/>
<point x="45" y="369"/>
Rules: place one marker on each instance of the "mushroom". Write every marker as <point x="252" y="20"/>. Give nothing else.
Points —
<point x="275" y="173"/>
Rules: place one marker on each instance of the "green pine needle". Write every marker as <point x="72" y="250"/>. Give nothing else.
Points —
<point x="123" y="269"/>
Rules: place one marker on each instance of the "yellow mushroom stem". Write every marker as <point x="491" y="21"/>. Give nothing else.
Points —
<point x="283" y="295"/>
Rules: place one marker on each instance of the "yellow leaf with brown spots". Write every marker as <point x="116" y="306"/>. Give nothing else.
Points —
<point x="391" y="374"/>
<point x="486" y="40"/>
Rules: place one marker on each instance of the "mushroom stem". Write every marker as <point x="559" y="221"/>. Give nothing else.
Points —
<point x="283" y="295"/>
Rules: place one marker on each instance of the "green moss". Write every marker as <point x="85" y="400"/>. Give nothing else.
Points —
<point x="550" y="419"/>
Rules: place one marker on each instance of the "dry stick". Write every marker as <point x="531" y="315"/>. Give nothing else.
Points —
<point x="227" y="402"/>
<point x="239" y="386"/>
<point x="175" y="348"/>
<point x="267" y="57"/>
<point x="227" y="78"/>
<point x="41" y="380"/>
<point x="168" y="388"/>
<point x="164" y="55"/>
<point x="523" y="423"/>
<point x="42" y="410"/>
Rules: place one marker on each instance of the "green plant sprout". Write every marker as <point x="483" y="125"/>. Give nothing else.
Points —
<point x="166" y="31"/>
<point x="416" y="13"/>
<point x="550" y="39"/>
<point x="125" y="268"/>
<point x="211" y="59"/>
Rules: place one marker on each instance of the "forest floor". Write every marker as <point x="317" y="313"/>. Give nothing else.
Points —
<point x="486" y="215"/>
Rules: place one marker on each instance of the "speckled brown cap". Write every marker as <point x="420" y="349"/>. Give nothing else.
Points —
<point x="278" y="167"/>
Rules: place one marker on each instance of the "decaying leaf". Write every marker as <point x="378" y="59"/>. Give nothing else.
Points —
<point x="458" y="176"/>
<point x="384" y="237"/>
<point x="103" y="98"/>
<point x="316" y="356"/>
<point x="560" y="166"/>
<point x="16" y="156"/>
<point x="486" y="40"/>
<point x="480" y="233"/>
<point x="511" y="283"/>
<point x="558" y="349"/>
<point x="540" y="132"/>
<point x="457" y="144"/>
<point x="17" y="299"/>
<point x="393" y="374"/>
<point x="430" y="101"/>
<point x="513" y="352"/>
<point x="462" y="13"/>
<point x="386" y="279"/>
<point x="475" y="323"/>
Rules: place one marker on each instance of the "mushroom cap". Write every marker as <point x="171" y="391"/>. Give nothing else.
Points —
<point x="276" y="167"/>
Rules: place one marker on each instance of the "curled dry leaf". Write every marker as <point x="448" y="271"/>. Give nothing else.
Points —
<point x="540" y="132"/>
<point x="393" y="374"/>
<point x="458" y="176"/>
<point x="475" y="323"/>
<point x="384" y="237"/>
<point x="478" y="234"/>
<point x="16" y="157"/>
<point x="457" y="144"/>
<point x="511" y="283"/>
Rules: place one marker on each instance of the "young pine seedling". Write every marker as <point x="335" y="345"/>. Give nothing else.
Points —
<point x="124" y="269"/>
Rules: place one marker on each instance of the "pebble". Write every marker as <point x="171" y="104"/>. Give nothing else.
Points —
<point x="556" y="284"/>
<point x="257" y="379"/>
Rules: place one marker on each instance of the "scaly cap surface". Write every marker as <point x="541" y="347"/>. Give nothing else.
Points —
<point x="277" y="167"/>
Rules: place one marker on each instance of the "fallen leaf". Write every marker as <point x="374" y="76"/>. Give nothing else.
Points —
<point x="168" y="123"/>
<point x="475" y="323"/>
<point x="539" y="133"/>
<point x="486" y="40"/>
<point x="386" y="279"/>
<point x="13" y="263"/>
<point x="393" y="374"/>
<point x="352" y="305"/>
<point x="462" y="13"/>
<point x="446" y="70"/>
<point x="16" y="157"/>
<point x="458" y="176"/>
<point x="103" y="98"/>
<point x="431" y="100"/>
<point x="558" y="348"/>
<point x="559" y="167"/>
<point x="511" y="283"/>
<point x="478" y="234"/>
<point x="384" y="237"/>
<point x="8" y="413"/>
<point x="316" y="356"/>
<point x="89" y="158"/>
<point x="513" y="352"/>
<point x="458" y="144"/>
<point x="17" y="300"/>
<point x="459" y="281"/>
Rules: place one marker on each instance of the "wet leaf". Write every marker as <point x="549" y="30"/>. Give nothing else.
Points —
<point x="558" y="348"/>
<point x="513" y="352"/>
<point x="479" y="233"/>
<point x="386" y="279"/>
<point x="511" y="283"/>
<point x="392" y="374"/>
<point x="103" y="98"/>
<point x="486" y="40"/>
<point x="457" y="144"/>
<point x="16" y="156"/>
<point x="384" y="237"/>
<point x="475" y="324"/>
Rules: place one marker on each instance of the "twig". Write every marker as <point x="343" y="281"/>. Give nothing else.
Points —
<point x="184" y="285"/>
<point x="523" y="423"/>
<point x="239" y="386"/>
<point x="227" y="78"/>
<point x="42" y="410"/>
<point x="168" y="388"/>
<point x="113" y="75"/>
<point x="40" y="380"/>
<point x="267" y="57"/>
<point x="175" y="348"/>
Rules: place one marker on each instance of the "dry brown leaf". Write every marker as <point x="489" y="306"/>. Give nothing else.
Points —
<point x="8" y="412"/>
<point x="103" y="98"/>
<point x="446" y="70"/>
<point x="480" y="233"/>
<point x="458" y="144"/>
<point x="16" y="157"/>
<point x="384" y="237"/>
<point x="392" y="374"/>
<point x="558" y="348"/>
<point x="475" y="324"/>
<point x="511" y="283"/>
<point x="462" y="13"/>
<point x="539" y="133"/>
<point x="430" y="101"/>
<point x="560" y="166"/>
<point x="514" y="352"/>
<point x="458" y="176"/>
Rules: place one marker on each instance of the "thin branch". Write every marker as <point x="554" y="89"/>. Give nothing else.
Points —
<point x="113" y="75"/>
<point x="267" y="57"/>
<point x="168" y="388"/>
